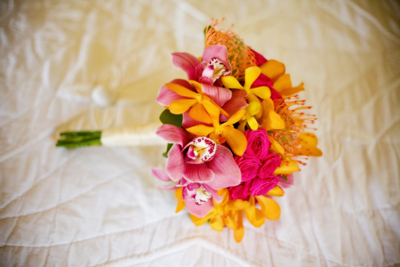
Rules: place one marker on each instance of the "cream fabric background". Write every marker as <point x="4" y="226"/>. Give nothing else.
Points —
<point x="99" y="206"/>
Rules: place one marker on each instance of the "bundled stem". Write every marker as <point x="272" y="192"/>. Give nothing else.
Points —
<point x="79" y="139"/>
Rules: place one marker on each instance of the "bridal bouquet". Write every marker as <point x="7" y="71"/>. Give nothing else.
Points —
<point x="236" y="132"/>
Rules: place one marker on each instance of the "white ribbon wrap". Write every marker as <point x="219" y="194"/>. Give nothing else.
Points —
<point x="144" y="135"/>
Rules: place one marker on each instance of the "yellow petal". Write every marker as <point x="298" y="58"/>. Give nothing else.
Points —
<point x="213" y="108"/>
<point x="180" y="106"/>
<point x="231" y="82"/>
<point x="273" y="69"/>
<point x="238" y="204"/>
<point x="235" y="117"/>
<point x="292" y="91"/>
<point x="197" y="86"/>
<point x="230" y="221"/>
<point x="178" y="194"/>
<point x="251" y="74"/>
<point x="269" y="208"/>
<point x="308" y="143"/>
<point x="277" y="191"/>
<point x="267" y="105"/>
<point x="283" y="83"/>
<point x="217" y="223"/>
<point x="262" y="92"/>
<point x="275" y="146"/>
<point x="253" y="98"/>
<point x="180" y="90"/>
<point x="199" y="113"/>
<point x="288" y="166"/>
<point x="181" y="204"/>
<point x="274" y="121"/>
<point x="253" y="108"/>
<point x="200" y="221"/>
<point x="239" y="233"/>
<point x="235" y="139"/>
<point x="200" y="130"/>
<point x="254" y="215"/>
<point x="242" y="126"/>
<point x="253" y="124"/>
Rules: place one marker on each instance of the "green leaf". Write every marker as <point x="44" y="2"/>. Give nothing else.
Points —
<point x="284" y="177"/>
<point x="167" y="117"/>
<point x="165" y="154"/>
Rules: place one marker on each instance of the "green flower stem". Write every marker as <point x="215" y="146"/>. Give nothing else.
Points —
<point x="79" y="139"/>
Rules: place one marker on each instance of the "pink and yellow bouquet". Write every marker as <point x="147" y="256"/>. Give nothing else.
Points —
<point x="236" y="133"/>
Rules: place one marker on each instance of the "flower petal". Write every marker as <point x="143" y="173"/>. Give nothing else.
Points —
<point x="181" y="90"/>
<point x="200" y="130"/>
<point x="253" y="124"/>
<point x="217" y="223"/>
<point x="187" y="63"/>
<point x="181" y="106"/>
<point x="231" y="82"/>
<point x="269" y="208"/>
<point x="198" y="173"/>
<point x="276" y="192"/>
<point x="225" y="169"/>
<point x="174" y="134"/>
<point x="254" y="215"/>
<point x="215" y="51"/>
<point x="220" y="95"/>
<point x="288" y="166"/>
<point x="236" y="140"/>
<point x="198" y="210"/>
<point x="283" y="83"/>
<point x="235" y="117"/>
<point x="199" y="113"/>
<point x="262" y="92"/>
<point x="188" y="122"/>
<point x="236" y="103"/>
<point x="175" y="163"/>
<point x="160" y="174"/>
<point x="259" y="58"/>
<point x="273" y="69"/>
<point x="251" y="74"/>
<point x="166" y="96"/>
<point x="292" y="91"/>
<point x="214" y="193"/>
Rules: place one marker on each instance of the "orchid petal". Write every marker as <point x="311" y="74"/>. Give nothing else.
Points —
<point x="187" y="63"/>
<point x="198" y="173"/>
<point x="188" y="122"/>
<point x="200" y="221"/>
<point x="251" y="74"/>
<point x="208" y="71"/>
<point x="273" y="69"/>
<point x="236" y="103"/>
<point x="173" y="134"/>
<point x="231" y="82"/>
<point x="212" y="108"/>
<point x="288" y="166"/>
<point x="238" y="234"/>
<point x="253" y="124"/>
<point x="166" y="96"/>
<point x="206" y="80"/>
<point x="197" y="86"/>
<point x="253" y="214"/>
<point x="220" y="95"/>
<point x="180" y="90"/>
<point x="215" y="51"/>
<point x="200" y="130"/>
<point x="196" y="209"/>
<point x="283" y="83"/>
<point x="292" y="91"/>
<point x="235" y="117"/>
<point x="175" y="163"/>
<point x="236" y="140"/>
<point x="269" y="208"/>
<point x="181" y="106"/>
<point x="225" y="169"/>
<point x="181" y="203"/>
<point x="199" y="113"/>
<point x="276" y="192"/>
<point x="160" y="174"/>
<point x="262" y="92"/>
<point x="214" y="193"/>
<point x="253" y="108"/>
<point x="217" y="223"/>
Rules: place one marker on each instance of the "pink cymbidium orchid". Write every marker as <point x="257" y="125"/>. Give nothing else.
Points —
<point x="213" y="65"/>
<point x="198" y="165"/>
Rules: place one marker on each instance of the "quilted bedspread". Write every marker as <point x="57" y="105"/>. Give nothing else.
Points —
<point x="100" y="205"/>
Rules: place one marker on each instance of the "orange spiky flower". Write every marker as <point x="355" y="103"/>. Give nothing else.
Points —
<point x="290" y="109"/>
<point x="240" y="56"/>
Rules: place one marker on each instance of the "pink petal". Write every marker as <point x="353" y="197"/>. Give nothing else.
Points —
<point x="189" y="122"/>
<point x="236" y="103"/>
<point x="285" y="184"/>
<point x="206" y="80"/>
<point x="274" y="94"/>
<point x="174" y="134"/>
<point x="187" y="63"/>
<point x="219" y="94"/>
<point x="259" y="58"/>
<point x="214" y="193"/>
<point x="175" y="163"/>
<point x="198" y="173"/>
<point x="166" y="96"/>
<point x="215" y="51"/>
<point x="196" y="209"/>
<point x="262" y="80"/>
<point x="208" y="71"/>
<point x="226" y="172"/>
<point x="167" y="187"/>
<point x="160" y="174"/>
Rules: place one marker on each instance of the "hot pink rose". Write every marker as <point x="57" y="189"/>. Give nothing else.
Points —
<point x="271" y="162"/>
<point x="239" y="192"/>
<point x="258" y="144"/>
<point x="249" y="167"/>
<point x="262" y="186"/>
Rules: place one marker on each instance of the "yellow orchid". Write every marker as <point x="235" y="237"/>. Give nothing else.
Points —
<point x="198" y="103"/>
<point x="275" y="70"/>
<point x="251" y="110"/>
<point x="225" y="132"/>
<point x="251" y="74"/>
<point x="230" y="212"/>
